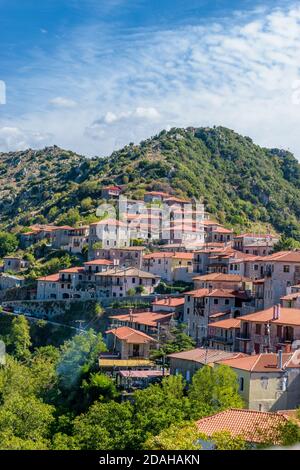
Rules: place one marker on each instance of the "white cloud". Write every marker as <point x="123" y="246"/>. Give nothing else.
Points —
<point x="17" y="139"/>
<point x="237" y="73"/>
<point x="62" y="102"/>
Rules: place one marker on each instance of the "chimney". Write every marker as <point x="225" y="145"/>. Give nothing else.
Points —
<point x="276" y="312"/>
<point x="130" y="315"/>
<point x="169" y="301"/>
<point x="279" y="359"/>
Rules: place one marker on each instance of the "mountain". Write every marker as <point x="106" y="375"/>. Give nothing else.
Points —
<point x="242" y="184"/>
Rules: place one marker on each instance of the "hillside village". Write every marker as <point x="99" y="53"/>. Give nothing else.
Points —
<point x="235" y="297"/>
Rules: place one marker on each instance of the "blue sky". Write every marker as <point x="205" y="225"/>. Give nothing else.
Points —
<point x="93" y="75"/>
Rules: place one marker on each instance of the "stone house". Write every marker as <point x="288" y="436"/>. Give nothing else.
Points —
<point x="268" y="382"/>
<point x="129" y="343"/>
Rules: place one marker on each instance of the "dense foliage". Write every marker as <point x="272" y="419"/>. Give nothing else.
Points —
<point x="56" y="398"/>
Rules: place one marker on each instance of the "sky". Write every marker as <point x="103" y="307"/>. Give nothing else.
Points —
<point x="94" y="75"/>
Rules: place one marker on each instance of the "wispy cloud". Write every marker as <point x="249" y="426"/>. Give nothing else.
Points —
<point x="62" y="102"/>
<point x="128" y="86"/>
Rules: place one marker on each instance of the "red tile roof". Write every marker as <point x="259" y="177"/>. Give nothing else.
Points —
<point x="283" y="257"/>
<point x="287" y="316"/>
<point x="293" y="296"/>
<point x="144" y="318"/>
<point x="253" y="426"/>
<point x="170" y="302"/>
<point x="168" y="254"/>
<point x="113" y="188"/>
<point x="267" y="362"/>
<point x="111" y="222"/>
<point x="222" y="293"/>
<point x="222" y="278"/>
<point x="131" y="336"/>
<point x="222" y="230"/>
<point x="204" y="355"/>
<point x="50" y="278"/>
<point x="75" y="269"/>
<point x="99" y="262"/>
<point x="227" y="324"/>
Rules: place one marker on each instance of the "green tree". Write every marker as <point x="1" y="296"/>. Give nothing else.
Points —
<point x="78" y="356"/>
<point x="131" y="292"/>
<point x="176" y="437"/>
<point x="213" y="389"/>
<point x="72" y="217"/>
<point x="86" y="204"/>
<point x="286" y="244"/>
<point x="8" y="243"/>
<point x="159" y="406"/>
<point x="177" y="341"/>
<point x="105" y="426"/>
<point x="19" y="339"/>
<point x="99" y="386"/>
<point x="224" y="440"/>
<point x="25" y="418"/>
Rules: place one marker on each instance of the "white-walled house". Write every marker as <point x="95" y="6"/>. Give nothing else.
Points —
<point x="177" y="266"/>
<point x="118" y="282"/>
<point x="108" y="233"/>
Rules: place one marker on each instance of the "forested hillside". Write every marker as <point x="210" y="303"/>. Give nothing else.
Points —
<point x="242" y="184"/>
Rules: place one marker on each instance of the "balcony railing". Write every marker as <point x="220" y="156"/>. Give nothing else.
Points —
<point x="220" y="339"/>
<point x="243" y="336"/>
<point x="285" y="340"/>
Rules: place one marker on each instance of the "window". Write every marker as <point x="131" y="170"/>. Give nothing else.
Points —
<point x="279" y="331"/>
<point x="286" y="268"/>
<point x="256" y="267"/>
<point x="188" y="311"/>
<point x="258" y="329"/>
<point x="226" y="301"/>
<point x="133" y="280"/>
<point x="216" y="301"/>
<point x="241" y="384"/>
<point x="188" y="376"/>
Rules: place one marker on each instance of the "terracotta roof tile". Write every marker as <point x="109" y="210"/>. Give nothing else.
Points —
<point x="205" y="355"/>
<point x="287" y="316"/>
<point x="227" y="324"/>
<point x="50" y="278"/>
<point x="130" y="335"/>
<point x="170" y="302"/>
<point x="267" y="362"/>
<point x="253" y="426"/>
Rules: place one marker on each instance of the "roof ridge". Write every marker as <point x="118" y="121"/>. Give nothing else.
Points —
<point x="257" y="360"/>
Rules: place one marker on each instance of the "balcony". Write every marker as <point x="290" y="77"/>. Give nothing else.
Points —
<point x="285" y="340"/>
<point x="220" y="339"/>
<point x="243" y="336"/>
